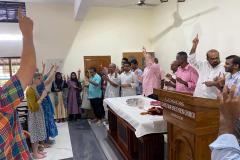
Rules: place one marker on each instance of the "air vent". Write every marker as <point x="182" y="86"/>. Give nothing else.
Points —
<point x="9" y="10"/>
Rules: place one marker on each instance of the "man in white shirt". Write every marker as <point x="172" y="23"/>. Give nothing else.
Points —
<point x="128" y="81"/>
<point x="113" y="82"/>
<point x="226" y="146"/>
<point x="208" y="70"/>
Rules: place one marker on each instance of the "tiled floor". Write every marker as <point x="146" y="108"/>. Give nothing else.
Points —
<point x="62" y="148"/>
<point x="81" y="141"/>
<point x="84" y="143"/>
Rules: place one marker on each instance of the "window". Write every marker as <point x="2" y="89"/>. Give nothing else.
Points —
<point x="8" y="11"/>
<point x="8" y="67"/>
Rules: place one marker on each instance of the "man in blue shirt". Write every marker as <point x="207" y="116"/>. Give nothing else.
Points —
<point x="226" y="146"/>
<point x="138" y="72"/>
<point x="95" y="94"/>
<point x="232" y="66"/>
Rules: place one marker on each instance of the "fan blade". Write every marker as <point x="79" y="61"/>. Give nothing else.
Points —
<point x="201" y="13"/>
<point x="151" y="5"/>
<point x="160" y="35"/>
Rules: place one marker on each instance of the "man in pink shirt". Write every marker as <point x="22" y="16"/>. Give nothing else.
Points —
<point x="186" y="75"/>
<point x="151" y="77"/>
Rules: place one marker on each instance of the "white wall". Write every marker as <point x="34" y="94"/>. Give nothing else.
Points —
<point x="217" y="29"/>
<point x="54" y="29"/>
<point x="109" y="31"/>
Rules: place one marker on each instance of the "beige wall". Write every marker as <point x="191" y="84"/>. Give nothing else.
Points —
<point x="54" y="29"/>
<point x="218" y="29"/>
<point x="109" y="31"/>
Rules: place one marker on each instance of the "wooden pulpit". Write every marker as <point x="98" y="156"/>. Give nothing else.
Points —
<point x="192" y="124"/>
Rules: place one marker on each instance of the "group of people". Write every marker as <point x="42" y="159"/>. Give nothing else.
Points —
<point x="43" y="113"/>
<point x="206" y="79"/>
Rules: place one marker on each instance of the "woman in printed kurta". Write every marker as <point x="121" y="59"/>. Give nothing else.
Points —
<point x="58" y="87"/>
<point x="74" y="99"/>
<point x="48" y="110"/>
<point x="36" y="122"/>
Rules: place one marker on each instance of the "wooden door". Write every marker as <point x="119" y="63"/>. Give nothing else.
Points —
<point x="96" y="61"/>
<point x="135" y="55"/>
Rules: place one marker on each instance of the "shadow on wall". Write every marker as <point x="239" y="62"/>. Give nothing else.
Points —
<point x="178" y="21"/>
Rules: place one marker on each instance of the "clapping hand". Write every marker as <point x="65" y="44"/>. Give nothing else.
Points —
<point x="169" y="76"/>
<point x="167" y="83"/>
<point x="209" y="83"/>
<point x="105" y="78"/>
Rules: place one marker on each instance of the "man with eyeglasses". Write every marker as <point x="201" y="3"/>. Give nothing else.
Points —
<point x="208" y="70"/>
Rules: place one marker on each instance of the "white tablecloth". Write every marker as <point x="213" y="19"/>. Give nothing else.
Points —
<point x="143" y="124"/>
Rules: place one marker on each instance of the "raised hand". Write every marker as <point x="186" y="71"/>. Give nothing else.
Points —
<point x="195" y="40"/>
<point x="144" y="50"/>
<point x="229" y="110"/>
<point x="43" y="64"/>
<point x="229" y="104"/>
<point x="25" y="24"/>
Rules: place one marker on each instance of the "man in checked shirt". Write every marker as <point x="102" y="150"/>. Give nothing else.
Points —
<point x="12" y="140"/>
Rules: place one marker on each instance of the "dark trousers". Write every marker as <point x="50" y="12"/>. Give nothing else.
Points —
<point x="153" y="96"/>
<point x="97" y="105"/>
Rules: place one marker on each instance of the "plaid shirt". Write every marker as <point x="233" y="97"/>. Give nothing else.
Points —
<point x="12" y="141"/>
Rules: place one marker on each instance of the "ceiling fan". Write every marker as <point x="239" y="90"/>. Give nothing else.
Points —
<point x="143" y="3"/>
<point x="178" y="20"/>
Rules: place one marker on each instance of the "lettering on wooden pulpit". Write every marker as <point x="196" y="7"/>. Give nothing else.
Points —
<point x="192" y="124"/>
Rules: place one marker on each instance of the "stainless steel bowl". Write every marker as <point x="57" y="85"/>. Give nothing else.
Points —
<point x="135" y="102"/>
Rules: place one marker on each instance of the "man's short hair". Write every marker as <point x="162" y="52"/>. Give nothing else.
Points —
<point x="113" y="64"/>
<point x="93" y="69"/>
<point x="127" y="63"/>
<point x="124" y="59"/>
<point x="235" y="59"/>
<point x="156" y="60"/>
<point x="211" y="51"/>
<point x="152" y="54"/>
<point x="134" y="61"/>
<point x="183" y="54"/>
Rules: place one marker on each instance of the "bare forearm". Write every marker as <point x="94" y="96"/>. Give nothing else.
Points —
<point x="93" y="82"/>
<point x="226" y="127"/>
<point x="193" y="50"/>
<point x="50" y="78"/>
<point x="112" y="83"/>
<point x="28" y="62"/>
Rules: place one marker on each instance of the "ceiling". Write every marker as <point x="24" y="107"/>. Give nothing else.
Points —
<point x="44" y="1"/>
<point x="13" y="28"/>
<point x="120" y="3"/>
